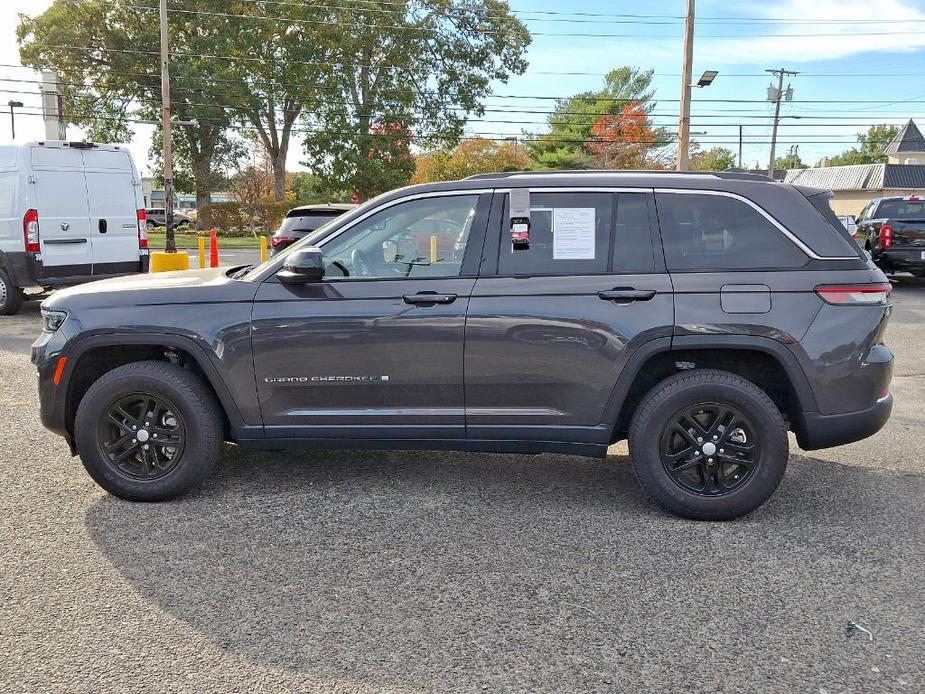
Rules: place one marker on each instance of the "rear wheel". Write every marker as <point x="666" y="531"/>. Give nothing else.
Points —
<point x="11" y="296"/>
<point x="148" y="431"/>
<point x="708" y="445"/>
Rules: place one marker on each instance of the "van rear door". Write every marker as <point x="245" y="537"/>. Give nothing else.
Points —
<point x="113" y="211"/>
<point x="61" y="201"/>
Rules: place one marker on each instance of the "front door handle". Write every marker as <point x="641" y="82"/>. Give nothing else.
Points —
<point x="102" y="226"/>
<point x="627" y="296"/>
<point x="428" y="299"/>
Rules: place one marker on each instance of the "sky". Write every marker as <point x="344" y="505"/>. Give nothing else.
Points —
<point x="860" y="62"/>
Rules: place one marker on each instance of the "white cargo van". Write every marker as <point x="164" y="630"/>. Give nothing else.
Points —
<point x="70" y="212"/>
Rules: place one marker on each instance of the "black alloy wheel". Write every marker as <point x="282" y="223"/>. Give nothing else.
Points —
<point x="142" y="436"/>
<point x="709" y="449"/>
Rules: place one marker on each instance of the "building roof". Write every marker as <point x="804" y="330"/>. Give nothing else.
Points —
<point x="860" y="176"/>
<point x="909" y="139"/>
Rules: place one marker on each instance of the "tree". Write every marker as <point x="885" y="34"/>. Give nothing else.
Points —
<point x="249" y="188"/>
<point x="107" y="57"/>
<point x="570" y="124"/>
<point x="622" y="142"/>
<point x="791" y="161"/>
<point x="471" y="157"/>
<point x="713" y="159"/>
<point x="405" y="70"/>
<point x="872" y="143"/>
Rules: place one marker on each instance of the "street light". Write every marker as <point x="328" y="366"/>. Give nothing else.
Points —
<point x="706" y="79"/>
<point x="12" y="105"/>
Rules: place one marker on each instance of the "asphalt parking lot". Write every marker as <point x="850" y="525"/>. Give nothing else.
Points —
<point x="435" y="572"/>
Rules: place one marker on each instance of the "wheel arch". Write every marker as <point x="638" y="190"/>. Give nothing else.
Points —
<point x="97" y="354"/>
<point x="763" y="361"/>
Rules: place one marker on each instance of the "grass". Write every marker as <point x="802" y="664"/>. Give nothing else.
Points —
<point x="186" y="240"/>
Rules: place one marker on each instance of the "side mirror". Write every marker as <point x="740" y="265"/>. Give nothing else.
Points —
<point x="303" y="266"/>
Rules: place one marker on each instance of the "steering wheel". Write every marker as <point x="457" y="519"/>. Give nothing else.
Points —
<point x="360" y="263"/>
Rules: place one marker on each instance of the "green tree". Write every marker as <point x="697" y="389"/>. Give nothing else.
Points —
<point x="713" y="159"/>
<point x="570" y="124"/>
<point x="790" y="161"/>
<point x="107" y="56"/>
<point x="405" y="70"/>
<point x="871" y="146"/>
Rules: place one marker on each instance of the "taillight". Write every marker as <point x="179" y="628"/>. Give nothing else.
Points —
<point x="142" y="229"/>
<point x="886" y="236"/>
<point x="30" y="231"/>
<point x="855" y="294"/>
<point x="278" y="240"/>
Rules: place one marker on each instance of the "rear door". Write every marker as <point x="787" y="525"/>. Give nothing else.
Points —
<point x="550" y="328"/>
<point x="61" y="200"/>
<point x="113" y="215"/>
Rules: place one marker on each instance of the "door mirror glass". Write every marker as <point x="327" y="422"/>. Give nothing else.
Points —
<point x="303" y="266"/>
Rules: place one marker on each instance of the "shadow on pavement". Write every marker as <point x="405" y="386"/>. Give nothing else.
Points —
<point x="449" y="571"/>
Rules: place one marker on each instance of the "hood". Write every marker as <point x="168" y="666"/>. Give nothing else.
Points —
<point x="211" y="285"/>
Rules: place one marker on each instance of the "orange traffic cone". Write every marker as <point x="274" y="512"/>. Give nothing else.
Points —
<point x="213" y="248"/>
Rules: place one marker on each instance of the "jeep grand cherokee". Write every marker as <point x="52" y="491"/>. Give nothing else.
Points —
<point x="700" y="316"/>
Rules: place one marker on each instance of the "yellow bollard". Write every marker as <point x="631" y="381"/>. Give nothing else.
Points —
<point x="433" y="248"/>
<point x="202" y="251"/>
<point x="263" y="249"/>
<point x="161" y="261"/>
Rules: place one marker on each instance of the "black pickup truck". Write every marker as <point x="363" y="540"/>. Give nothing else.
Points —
<point x="893" y="231"/>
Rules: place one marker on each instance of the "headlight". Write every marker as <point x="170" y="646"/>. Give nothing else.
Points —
<point x="52" y="320"/>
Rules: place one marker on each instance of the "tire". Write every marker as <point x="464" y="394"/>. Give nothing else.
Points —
<point x="727" y="485"/>
<point x="11" y="296"/>
<point x="186" y="417"/>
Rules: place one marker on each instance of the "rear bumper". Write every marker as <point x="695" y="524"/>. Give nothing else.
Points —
<point x="900" y="259"/>
<point x="826" y="430"/>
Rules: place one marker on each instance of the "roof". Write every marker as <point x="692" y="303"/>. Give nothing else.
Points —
<point x="860" y="176"/>
<point x="909" y="139"/>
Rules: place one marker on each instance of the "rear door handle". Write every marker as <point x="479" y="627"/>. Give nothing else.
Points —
<point x="428" y="298"/>
<point x="627" y="296"/>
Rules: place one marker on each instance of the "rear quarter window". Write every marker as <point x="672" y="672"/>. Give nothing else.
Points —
<point x="717" y="232"/>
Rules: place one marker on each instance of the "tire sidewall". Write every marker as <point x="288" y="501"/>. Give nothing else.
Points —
<point x="196" y="458"/>
<point x="769" y="428"/>
<point x="11" y="298"/>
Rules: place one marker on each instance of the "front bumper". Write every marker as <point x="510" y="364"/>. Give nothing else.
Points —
<point x="817" y="430"/>
<point x="47" y="352"/>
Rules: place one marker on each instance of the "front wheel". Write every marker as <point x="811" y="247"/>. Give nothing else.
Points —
<point x="11" y="296"/>
<point x="148" y="431"/>
<point x="708" y="445"/>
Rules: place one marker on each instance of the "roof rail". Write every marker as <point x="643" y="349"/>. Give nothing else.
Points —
<point x="732" y="175"/>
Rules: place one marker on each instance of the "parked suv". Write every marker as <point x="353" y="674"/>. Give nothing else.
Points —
<point x="700" y="316"/>
<point x="301" y="221"/>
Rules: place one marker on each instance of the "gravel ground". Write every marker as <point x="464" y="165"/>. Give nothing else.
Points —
<point x="436" y="572"/>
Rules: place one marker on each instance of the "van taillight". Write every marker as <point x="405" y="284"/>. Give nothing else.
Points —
<point x="855" y="294"/>
<point x="886" y="236"/>
<point x="142" y="229"/>
<point x="30" y="231"/>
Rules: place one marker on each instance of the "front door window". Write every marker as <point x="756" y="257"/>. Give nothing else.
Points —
<point x="417" y="239"/>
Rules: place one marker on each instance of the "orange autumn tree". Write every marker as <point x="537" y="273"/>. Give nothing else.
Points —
<point x="622" y="141"/>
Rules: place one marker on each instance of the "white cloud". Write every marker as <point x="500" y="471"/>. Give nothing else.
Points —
<point x="841" y="40"/>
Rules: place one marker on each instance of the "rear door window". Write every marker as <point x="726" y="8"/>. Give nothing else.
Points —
<point x="570" y="234"/>
<point x="718" y="232"/>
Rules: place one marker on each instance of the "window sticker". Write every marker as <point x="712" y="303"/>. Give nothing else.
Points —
<point x="573" y="233"/>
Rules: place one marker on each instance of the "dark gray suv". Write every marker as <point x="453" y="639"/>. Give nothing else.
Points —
<point x="701" y="316"/>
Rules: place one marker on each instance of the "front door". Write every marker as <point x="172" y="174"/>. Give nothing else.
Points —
<point x="376" y="349"/>
<point x="551" y="326"/>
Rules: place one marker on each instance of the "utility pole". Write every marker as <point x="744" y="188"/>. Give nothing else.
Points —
<point x="165" y="125"/>
<point x="778" y="95"/>
<point x="684" y="125"/>
<point x="740" y="146"/>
